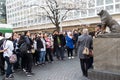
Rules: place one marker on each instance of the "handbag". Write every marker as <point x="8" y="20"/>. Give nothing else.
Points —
<point x="13" y="58"/>
<point x="33" y="51"/>
<point x="85" y="50"/>
<point x="90" y="53"/>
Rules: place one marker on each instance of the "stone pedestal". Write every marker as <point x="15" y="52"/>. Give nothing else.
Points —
<point x="106" y="59"/>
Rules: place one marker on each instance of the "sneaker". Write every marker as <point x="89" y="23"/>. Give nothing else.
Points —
<point x="36" y="64"/>
<point x="30" y="74"/>
<point x="69" y="57"/>
<point x="72" y="57"/>
<point x="52" y="61"/>
<point x="11" y="76"/>
<point x="24" y="70"/>
<point x="44" y="63"/>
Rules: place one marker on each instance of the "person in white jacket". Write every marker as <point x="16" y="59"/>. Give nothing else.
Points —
<point x="8" y="46"/>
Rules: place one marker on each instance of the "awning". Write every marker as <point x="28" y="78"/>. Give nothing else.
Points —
<point x="6" y="30"/>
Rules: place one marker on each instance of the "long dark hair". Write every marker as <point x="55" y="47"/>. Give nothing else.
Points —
<point x="13" y="36"/>
<point x="22" y="39"/>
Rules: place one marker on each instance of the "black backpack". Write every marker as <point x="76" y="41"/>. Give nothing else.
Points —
<point x="23" y="47"/>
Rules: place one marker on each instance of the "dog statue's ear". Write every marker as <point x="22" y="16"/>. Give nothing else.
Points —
<point x="100" y="12"/>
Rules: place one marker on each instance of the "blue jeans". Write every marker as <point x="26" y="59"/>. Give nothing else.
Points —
<point x="42" y="56"/>
<point x="9" y="67"/>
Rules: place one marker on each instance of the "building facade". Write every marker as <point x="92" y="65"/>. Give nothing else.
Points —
<point x="2" y="11"/>
<point x="23" y="16"/>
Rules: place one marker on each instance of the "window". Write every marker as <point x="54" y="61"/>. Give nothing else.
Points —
<point x="24" y="22"/>
<point x="39" y="20"/>
<point x="91" y="12"/>
<point x="117" y="8"/>
<point x="77" y="14"/>
<point x="32" y="21"/>
<point x="48" y="19"/>
<point x="83" y="13"/>
<point x="36" y="20"/>
<point x="70" y="15"/>
<point x="117" y="0"/>
<point x="109" y="8"/>
<point x="28" y="21"/>
<point x="91" y="3"/>
<point x="43" y="18"/>
<point x="83" y="4"/>
<point x="13" y="24"/>
<point x="18" y="23"/>
<point x="99" y="2"/>
<point x="108" y="1"/>
<point x="76" y="0"/>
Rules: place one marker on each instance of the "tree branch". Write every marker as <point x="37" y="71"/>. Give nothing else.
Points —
<point x="52" y="20"/>
<point x="48" y="15"/>
<point x="63" y="17"/>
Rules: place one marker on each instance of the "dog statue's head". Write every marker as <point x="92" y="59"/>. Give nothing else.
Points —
<point x="101" y="12"/>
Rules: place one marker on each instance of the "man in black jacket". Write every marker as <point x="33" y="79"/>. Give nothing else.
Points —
<point x="59" y="43"/>
<point x="39" y="46"/>
<point x="39" y="43"/>
<point x="28" y="57"/>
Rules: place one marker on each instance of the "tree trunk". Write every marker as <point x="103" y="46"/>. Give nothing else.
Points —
<point x="58" y="28"/>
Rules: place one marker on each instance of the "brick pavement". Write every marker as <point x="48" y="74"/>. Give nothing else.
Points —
<point x="59" y="70"/>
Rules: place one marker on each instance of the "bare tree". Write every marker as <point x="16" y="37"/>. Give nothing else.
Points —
<point x="54" y="13"/>
<point x="57" y="11"/>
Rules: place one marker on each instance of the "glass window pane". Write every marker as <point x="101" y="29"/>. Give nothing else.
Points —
<point x="70" y="15"/>
<point x="109" y="8"/>
<point x="77" y="14"/>
<point x="117" y="0"/>
<point x="117" y="8"/>
<point x="91" y="12"/>
<point x="91" y="3"/>
<point x="43" y="18"/>
<point x="24" y="22"/>
<point x="48" y="20"/>
<point x="82" y="4"/>
<point x="83" y="13"/>
<point x="99" y="2"/>
<point x="31" y="21"/>
<point x="39" y="20"/>
<point x="108" y="1"/>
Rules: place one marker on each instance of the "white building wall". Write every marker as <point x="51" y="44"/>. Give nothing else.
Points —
<point x="25" y="16"/>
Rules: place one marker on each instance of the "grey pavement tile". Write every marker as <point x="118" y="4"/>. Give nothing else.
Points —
<point x="59" y="70"/>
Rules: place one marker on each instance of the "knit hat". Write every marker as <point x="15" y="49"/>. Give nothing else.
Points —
<point x="8" y="35"/>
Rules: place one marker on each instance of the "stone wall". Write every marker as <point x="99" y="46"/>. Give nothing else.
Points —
<point x="106" y="59"/>
<point x="107" y="54"/>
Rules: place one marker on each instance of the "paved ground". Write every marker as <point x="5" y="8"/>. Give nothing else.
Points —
<point x="59" y="70"/>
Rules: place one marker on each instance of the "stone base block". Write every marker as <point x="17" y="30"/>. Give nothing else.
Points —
<point x="107" y="54"/>
<point x="102" y="75"/>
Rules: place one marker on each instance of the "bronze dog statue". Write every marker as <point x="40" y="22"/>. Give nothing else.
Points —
<point x="107" y="21"/>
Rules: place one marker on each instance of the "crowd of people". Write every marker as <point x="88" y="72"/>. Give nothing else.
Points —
<point x="42" y="48"/>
